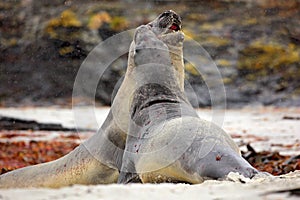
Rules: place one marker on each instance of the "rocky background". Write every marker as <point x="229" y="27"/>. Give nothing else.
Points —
<point x="255" y="45"/>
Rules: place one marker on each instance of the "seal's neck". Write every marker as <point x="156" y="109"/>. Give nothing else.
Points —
<point x="154" y="103"/>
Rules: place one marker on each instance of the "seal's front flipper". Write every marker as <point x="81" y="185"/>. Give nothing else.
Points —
<point x="126" y="177"/>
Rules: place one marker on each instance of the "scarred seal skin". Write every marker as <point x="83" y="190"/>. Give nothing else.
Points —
<point x="98" y="160"/>
<point x="150" y="117"/>
<point x="167" y="141"/>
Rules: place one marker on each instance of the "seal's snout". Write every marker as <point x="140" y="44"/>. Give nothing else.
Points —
<point x="250" y="172"/>
<point x="170" y="20"/>
<point x="167" y="13"/>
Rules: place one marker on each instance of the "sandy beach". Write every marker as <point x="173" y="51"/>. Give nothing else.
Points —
<point x="261" y="188"/>
<point x="264" y="128"/>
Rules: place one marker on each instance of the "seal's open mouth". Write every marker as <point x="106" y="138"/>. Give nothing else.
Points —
<point x="175" y="27"/>
<point x="168" y="22"/>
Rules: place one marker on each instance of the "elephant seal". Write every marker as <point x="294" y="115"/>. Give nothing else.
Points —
<point x="99" y="159"/>
<point x="167" y="141"/>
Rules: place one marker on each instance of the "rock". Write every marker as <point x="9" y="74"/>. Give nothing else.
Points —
<point x="43" y="44"/>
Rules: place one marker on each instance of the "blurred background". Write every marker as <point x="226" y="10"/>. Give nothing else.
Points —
<point x="254" y="43"/>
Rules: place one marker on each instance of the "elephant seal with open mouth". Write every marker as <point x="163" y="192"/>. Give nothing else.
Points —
<point x="151" y="118"/>
<point x="99" y="159"/>
<point x="167" y="141"/>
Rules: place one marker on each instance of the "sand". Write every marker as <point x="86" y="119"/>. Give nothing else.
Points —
<point x="261" y="188"/>
<point x="263" y="127"/>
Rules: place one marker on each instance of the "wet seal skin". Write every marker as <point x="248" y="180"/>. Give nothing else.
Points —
<point x="151" y="119"/>
<point x="99" y="159"/>
<point x="167" y="141"/>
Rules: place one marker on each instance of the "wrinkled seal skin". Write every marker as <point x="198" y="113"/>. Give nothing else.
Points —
<point x="167" y="141"/>
<point x="98" y="160"/>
